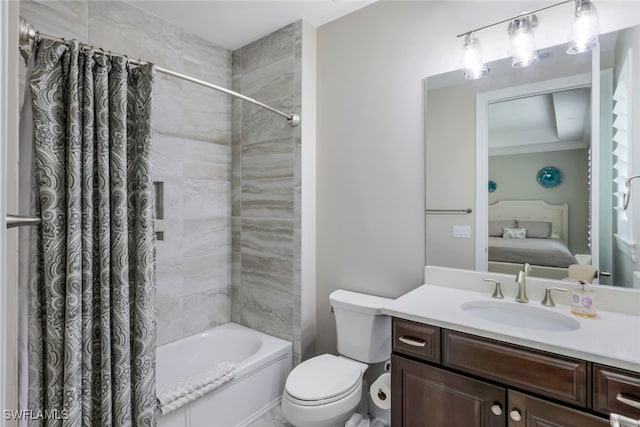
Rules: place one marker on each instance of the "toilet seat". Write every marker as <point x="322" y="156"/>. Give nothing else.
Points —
<point x="323" y="379"/>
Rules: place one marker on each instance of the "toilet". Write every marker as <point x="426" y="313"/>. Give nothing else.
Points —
<point x="325" y="391"/>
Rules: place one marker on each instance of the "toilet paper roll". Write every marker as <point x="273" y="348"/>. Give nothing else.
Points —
<point x="380" y="391"/>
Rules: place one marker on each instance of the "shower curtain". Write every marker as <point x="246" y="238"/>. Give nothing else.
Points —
<point x="91" y="316"/>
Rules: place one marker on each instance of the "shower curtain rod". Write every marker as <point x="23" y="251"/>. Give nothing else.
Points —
<point x="28" y="33"/>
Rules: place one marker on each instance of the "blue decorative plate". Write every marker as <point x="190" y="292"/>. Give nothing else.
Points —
<point x="549" y="176"/>
<point x="492" y="186"/>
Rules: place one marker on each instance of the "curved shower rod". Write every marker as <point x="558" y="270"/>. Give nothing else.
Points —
<point x="28" y="33"/>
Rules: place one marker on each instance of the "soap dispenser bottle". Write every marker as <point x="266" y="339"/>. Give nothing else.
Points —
<point x="583" y="301"/>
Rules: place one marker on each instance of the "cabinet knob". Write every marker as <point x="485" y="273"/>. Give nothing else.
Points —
<point x="515" y="415"/>
<point x="496" y="409"/>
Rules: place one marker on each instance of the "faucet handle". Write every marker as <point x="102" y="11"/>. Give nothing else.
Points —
<point x="497" y="291"/>
<point x="548" y="301"/>
<point x="527" y="268"/>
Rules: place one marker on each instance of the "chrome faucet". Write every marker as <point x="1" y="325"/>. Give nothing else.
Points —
<point x="521" y="280"/>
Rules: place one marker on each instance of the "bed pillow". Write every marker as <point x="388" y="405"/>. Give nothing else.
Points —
<point x="536" y="229"/>
<point x="514" y="233"/>
<point x="496" y="227"/>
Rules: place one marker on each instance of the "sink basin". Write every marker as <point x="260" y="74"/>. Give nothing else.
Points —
<point x="520" y="316"/>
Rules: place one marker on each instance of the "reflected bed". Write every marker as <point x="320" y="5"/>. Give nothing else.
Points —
<point x="545" y="246"/>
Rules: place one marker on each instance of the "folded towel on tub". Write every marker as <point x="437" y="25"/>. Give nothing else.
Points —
<point x="173" y="396"/>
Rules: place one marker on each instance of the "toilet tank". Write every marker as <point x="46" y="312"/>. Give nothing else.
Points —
<point x="363" y="332"/>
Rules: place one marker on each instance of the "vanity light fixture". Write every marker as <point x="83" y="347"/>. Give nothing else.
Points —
<point x="522" y="45"/>
<point x="472" y="64"/>
<point x="522" y="41"/>
<point x="584" y="28"/>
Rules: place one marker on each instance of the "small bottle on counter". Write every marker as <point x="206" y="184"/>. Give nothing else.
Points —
<point x="583" y="301"/>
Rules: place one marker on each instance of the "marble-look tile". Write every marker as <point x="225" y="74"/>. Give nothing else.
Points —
<point x="123" y="28"/>
<point x="236" y="119"/>
<point x="204" y="237"/>
<point x="68" y="19"/>
<point x="205" y="60"/>
<point x="267" y="236"/>
<point x="171" y="246"/>
<point x="266" y="272"/>
<point x="267" y="255"/>
<point x="169" y="279"/>
<point x="170" y="327"/>
<point x="206" y="114"/>
<point x="297" y="66"/>
<point x="206" y="310"/>
<point x="236" y="228"/>
<point x="236" y="162"/>
<point x="236" y="198"/>
<point x="206" y="160"/>
<point x="271" y="82"/>
<point x="266" y="311"/>
<point x="206" y="273"/>
<point x="259" y="124"/>
<point x="268" y="198"/>
<point x="268" y="159"/>
<point x="167" y="112"/>
<point x="203" y="198"/>
<point x="167" y="158"/>
<point x="269" y="49"/>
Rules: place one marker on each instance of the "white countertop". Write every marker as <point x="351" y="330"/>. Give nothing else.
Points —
<point x="612" y="339"/>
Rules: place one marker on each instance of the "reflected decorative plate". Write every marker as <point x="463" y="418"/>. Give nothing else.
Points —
<point x="549" y="176"/>
<point x="492" y="186"/>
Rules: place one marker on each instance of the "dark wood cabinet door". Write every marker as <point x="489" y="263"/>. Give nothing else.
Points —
<point x="426" y="396"/>
<point x="616" y="391"/>
<point x="528" y="411"/>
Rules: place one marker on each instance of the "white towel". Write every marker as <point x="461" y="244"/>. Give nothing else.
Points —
<point x="621" y="421"/>
<point x="363" y="420"/>
<point x="173" y="396"/>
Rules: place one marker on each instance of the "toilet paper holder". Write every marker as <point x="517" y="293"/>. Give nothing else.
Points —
<point x="387" y="368"/>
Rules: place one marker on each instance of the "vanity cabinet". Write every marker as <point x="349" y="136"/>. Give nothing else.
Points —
<point x="431" y="396"/>
<point x="444" y="378"/>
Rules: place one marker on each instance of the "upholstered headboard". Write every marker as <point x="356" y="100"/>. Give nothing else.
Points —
<point x="534" y="210"/>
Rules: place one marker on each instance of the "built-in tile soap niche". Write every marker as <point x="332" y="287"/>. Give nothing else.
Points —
<point x="158" y="193"/>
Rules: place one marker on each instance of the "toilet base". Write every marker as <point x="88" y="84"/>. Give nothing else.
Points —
<point x="334" y="414"/>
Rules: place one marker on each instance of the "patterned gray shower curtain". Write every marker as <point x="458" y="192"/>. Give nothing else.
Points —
<point x="92" y="327"/>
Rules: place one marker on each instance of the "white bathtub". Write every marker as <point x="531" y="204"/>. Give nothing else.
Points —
<point x="263" y="363"/>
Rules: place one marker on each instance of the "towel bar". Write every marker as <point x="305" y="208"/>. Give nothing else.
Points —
<point x="449" y="211"/>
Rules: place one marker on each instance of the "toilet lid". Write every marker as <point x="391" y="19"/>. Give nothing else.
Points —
<point x="323" y="377"/>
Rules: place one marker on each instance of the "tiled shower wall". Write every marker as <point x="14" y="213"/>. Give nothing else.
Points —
<point x="191" y="152"/>
<point x="266" y="187"/>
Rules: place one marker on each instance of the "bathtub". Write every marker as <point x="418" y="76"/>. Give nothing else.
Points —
<point x="262" y="362"/>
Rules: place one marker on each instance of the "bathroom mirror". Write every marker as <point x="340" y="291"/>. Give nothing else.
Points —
<point x="541" y="140"/>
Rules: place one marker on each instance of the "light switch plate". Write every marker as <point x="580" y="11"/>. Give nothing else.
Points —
<point x="462" y="231"/>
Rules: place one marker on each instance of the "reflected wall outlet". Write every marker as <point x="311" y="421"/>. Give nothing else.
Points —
<point x="462" y="231"/>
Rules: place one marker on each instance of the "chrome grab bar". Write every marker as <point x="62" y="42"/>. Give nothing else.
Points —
<point x="19" y="221"/>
